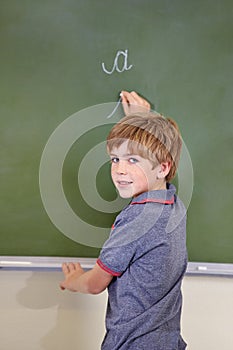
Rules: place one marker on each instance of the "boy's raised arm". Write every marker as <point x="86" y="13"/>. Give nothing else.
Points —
<point x="76" y="279"/>
<point x="96" y="280"/>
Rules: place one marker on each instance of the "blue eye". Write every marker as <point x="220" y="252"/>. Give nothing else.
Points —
<point x="114" y="160"/>
<point x="133" y="160"/>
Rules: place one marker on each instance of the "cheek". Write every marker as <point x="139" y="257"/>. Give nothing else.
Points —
<point x="112" y="172"/>
<point x="146" y="177"/>
<point x="140" y="175"/>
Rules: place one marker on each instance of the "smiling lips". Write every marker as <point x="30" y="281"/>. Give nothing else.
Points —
<point x="124" y="183"/>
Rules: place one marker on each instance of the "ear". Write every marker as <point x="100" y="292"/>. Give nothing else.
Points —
<point x="163" y="170"/>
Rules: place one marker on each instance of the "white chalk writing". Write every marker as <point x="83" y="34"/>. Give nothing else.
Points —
<point x="115" y="108"/>
<point x="116" y="64"/>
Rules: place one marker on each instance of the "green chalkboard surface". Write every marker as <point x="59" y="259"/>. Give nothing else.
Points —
<point x="63" y="64"/>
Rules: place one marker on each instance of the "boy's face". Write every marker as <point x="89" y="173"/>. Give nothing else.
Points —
<point x="132" y="174"/>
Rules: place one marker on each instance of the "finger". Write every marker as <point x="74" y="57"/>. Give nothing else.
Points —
<point x="77" y="266"/>
<point x="133" y="98"/>
<point x="62" y="287"/>
<point x="65" y="268"/>
<point x="133" y="103"/>
<point x="79" y="269"/>
<point x="71" y="266"/>
<point x="125" y="107"/>
<point x="123" y="99"/>
<point x="140" y="100"/>
<point x="68" y="267"/>
<point x="127" y="97"/>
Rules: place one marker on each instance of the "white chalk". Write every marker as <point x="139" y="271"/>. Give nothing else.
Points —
<point x="202" y="268"/>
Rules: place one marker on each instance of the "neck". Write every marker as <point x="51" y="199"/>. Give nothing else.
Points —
<point x="160" y="185"/>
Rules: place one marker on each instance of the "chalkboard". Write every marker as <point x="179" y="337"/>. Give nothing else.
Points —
<point x="63" y="64"/>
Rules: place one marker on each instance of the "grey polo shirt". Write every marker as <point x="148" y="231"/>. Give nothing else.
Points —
<point x="146" y="254"/>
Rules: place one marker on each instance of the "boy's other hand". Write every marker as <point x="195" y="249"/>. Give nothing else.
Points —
<point x="133" y="103"/>
<point x="72" y="271"/>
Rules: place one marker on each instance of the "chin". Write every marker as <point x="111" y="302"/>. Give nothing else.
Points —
<point x="125" y="195"/>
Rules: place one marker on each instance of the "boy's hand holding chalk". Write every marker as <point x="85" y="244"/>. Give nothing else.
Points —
<point x="133" y="103"/>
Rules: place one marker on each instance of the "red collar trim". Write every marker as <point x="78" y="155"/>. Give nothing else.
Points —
<point x="161" y="201"/>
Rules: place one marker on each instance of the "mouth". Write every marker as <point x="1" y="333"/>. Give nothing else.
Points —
<point x="124" y="183"/>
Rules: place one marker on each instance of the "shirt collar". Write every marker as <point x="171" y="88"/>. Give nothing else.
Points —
<point x="158" y="196"/>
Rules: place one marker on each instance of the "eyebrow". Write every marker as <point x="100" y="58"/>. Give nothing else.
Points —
<point x="125" y="155"/>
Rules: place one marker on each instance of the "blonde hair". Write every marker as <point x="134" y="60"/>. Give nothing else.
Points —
<point x="150" y="135"/>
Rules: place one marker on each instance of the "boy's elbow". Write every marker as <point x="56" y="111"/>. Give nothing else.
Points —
<point x="94" y="289"/>
<point x="95" y="286"/>
<point x="97" y="281"/>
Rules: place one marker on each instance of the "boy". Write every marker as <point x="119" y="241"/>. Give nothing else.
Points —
<point x="144" y="260"/>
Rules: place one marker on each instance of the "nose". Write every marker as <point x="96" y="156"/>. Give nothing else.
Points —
<point x="121" y="168"/>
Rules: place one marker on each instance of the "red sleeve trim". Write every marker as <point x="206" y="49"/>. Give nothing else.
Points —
<point x="106" y="269"/>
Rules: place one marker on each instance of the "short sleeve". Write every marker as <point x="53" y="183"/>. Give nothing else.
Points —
<point x="118" y="251"/>
<point x="129" y="235"/>
<point x="115" y="260"/>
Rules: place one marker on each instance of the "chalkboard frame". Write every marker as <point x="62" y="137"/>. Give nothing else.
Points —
<point x="54" y="264"/>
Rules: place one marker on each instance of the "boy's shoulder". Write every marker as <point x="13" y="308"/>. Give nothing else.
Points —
<point x="158" y="196"/>
<point x="158" y="211"/>
<point x="149" y="203"/>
